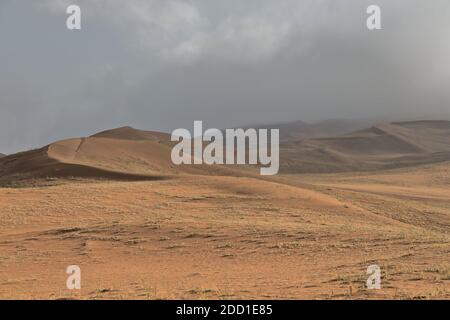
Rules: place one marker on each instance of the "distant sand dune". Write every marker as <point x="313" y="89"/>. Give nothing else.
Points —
<point x="127" y="153"/>
<point x="118" y="154"/>
<point x="299" y="130"/>
<point x="380" y="147"/>
<point x="201" y="233"/>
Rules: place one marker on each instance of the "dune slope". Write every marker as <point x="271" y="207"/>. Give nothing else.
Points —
<point x="123" y="153"/>
<point x="127" y="153"/>
<point x="380" y="147"/>
<point x="299" y="130"/>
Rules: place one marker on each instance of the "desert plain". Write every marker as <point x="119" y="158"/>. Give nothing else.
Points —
<point x="142" y="228"/>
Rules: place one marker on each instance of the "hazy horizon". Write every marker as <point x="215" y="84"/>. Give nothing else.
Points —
<point x="160" y="65"/>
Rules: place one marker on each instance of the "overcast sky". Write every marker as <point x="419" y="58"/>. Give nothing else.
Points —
<point x="159" y="65"/>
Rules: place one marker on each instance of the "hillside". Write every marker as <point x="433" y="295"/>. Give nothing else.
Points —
<point x="176" y="234"/>
<point x="127" y="153"/>
<point x="194" y="237"/>
<point x="124" y="153"/>
<point x="379" y="147"/>
<point x="299" y="130"/>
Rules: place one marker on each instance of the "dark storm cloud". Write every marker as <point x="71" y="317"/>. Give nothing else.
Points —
<point x="162" y="64"/>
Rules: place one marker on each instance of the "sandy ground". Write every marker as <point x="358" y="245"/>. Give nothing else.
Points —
<point x="199" y="237"/>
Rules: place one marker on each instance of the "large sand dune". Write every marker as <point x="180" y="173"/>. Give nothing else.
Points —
<point x="224" y="232"/>
<point x="379" y="147"/>
<point x="300" y="130"/>
<point x="127" y="153"/>
<point x="123" y="153"/>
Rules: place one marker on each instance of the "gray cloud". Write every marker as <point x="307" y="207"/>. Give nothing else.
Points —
<point x="162" y="64"/>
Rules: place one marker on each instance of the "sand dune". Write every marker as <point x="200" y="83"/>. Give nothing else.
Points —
<point x="299" y="130"/>
<point x="39" y="164"/>
<point x="129" y="133"/>
<point x="124" y="153"/>
<point x="380" y="147"/>
<point x="178" y="235"/>
<point x="127" y="153"/>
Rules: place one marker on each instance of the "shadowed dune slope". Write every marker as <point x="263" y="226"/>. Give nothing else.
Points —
<point x="127" y="153"/>
<point x="39" y="164"/>
<point x="123" y="153"/>
<point x="299" y="130"/>
<point x="380" y="147"/>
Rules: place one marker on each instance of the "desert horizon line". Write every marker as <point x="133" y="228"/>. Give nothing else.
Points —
<point x="373" y="122"/>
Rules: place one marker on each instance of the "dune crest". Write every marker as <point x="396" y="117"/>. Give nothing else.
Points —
<point x="129" y="133"/>
<point x="300" y="130"/>
<point x="118" y="154"/>
<point x="382" y="146"/>
<point x="128" y="153"/>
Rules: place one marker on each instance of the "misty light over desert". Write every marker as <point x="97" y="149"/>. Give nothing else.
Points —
<point x="164" y="64"/>
<point x="246" y="151"/>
